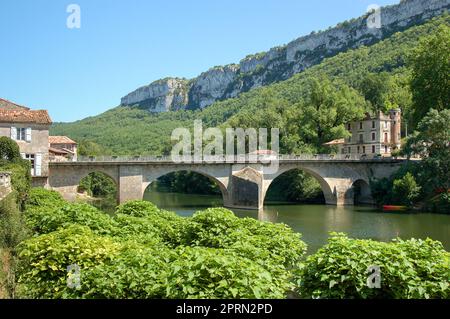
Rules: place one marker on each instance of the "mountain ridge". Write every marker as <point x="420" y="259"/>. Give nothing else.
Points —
<point x="280" y="63"/>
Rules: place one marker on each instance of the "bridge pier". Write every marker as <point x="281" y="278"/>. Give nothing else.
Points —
<point x="130" y="186"/>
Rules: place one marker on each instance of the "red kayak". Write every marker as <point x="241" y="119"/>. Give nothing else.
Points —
<point x="390" y="208"/>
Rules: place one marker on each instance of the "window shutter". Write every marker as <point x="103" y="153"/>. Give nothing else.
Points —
<point x="28" y="134"/>
<point x="13" y="133"/>
<point x="23" y="155"/>
<point x="38" y="164"/>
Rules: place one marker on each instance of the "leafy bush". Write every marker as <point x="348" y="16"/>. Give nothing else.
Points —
<point x="201" y="272"/>
<point x="407" y="189"/>
<point x="9" y="150"/>
<point x="45" y="219"/>
<point x="41" y="197"/>
<point x="408" y="269"/>
<point x="12" y="226"/>
<point x="137" y="272"/>
<point x="220" y="228"/>
<point x="44" y="259"/>
<point x="213" y="228"/>
<point x="137" y="208"/>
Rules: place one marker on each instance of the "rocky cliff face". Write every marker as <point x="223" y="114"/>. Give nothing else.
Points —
<point x="281" y="63"/>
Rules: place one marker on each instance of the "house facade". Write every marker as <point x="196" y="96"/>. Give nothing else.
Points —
<point x="62" y="149"/>
<point x="30" y="130"/>
<point x="375" y="135"/>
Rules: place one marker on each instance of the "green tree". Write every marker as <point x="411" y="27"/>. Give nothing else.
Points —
<point x="406" y="189"/>
<point x="432" y="143"/>
<point x="430" y="83"/>
<point x="9" y="150"/>
<point x="89" y="148"/>
<point x="376" y="87"/>
<point x="328" y="106"/>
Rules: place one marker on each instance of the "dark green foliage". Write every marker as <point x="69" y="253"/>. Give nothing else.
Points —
<point x="187" y="183"/>
<point x="12" y="228"/>
<point x="9" y="150"/>
<point x="407" y="189"/>
<point x="295" y="186"/>
<point x="98" y="185"/>
<point x="430" y="83"/>
<point x="408" y="269"/>
<point x="89" y="148"/>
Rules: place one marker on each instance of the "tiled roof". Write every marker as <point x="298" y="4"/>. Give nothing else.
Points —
<point x="14" y="113"/>
<point x="336" y="142"/>
<point x="60" y="140"/>
<point x="8" y="105"/>
<point x="57" y="151"/>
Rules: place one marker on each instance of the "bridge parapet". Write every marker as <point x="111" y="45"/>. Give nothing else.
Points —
<point x="234" y="159"/>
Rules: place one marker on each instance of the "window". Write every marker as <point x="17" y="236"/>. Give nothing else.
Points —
<point x="385" y="149"/>
<point x="361" y="138"/>
<point x="386" y="137"/>
<point x="30" y="157"/>
<point x="373" y="124"/>
<point x="364" y="150"/>
<point x="374" y="136"/>
<point x="350" y="139"/>
<point x="36" y="163"/>
<point x="21" y="134"/>
<point x="349" y="150"/>
<point x="349" y="126"/>
<point x="359" y="149"/>
<point x="385" y="124"/>
<point x="360" y="125"/>
<point x="373" y="149"/>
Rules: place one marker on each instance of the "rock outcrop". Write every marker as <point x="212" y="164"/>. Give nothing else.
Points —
<point x="281" y="63"/>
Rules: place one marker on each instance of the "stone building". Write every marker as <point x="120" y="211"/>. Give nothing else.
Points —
<point x="29" y="128"/>
<point x="375" y="135"/>
<point x="62" y="149"/>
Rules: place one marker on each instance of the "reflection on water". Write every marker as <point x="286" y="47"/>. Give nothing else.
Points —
<point x="315" y="222"/>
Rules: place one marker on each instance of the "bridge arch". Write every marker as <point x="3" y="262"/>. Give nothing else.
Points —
<point x="153" y="177"/>
<point x="328" y="191"/>
<point x="360" y="192"/>
<point x="66" y="178"/>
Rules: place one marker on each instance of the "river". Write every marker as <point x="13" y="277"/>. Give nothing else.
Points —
<point x="314" y="222"/>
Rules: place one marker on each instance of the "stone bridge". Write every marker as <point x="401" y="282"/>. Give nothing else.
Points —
<point x="243" y="184"/>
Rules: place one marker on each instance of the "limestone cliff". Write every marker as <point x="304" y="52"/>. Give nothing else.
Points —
<point x="280" y="63"/>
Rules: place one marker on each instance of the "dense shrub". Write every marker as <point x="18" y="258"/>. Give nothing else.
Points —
<point x="45" y="220"/>
<point x="137" y="208"/>
<point x="9" y="150"/>
<point x="201" y="272"/>
<point x="43" y="198"/>
<point x="408" y="269"/>
<point x="44" y="259"/>
<point x="220" y="228"/>
<point x="12" y="227"/>
<point x="138" y="272"/>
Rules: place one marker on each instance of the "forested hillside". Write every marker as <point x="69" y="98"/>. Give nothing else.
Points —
<point x="367" y="78"/>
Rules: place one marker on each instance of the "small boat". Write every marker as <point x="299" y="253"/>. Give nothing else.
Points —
<point x="391" y="208"/>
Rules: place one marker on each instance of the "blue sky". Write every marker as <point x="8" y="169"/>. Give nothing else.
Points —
<point x="121" y="45"/>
